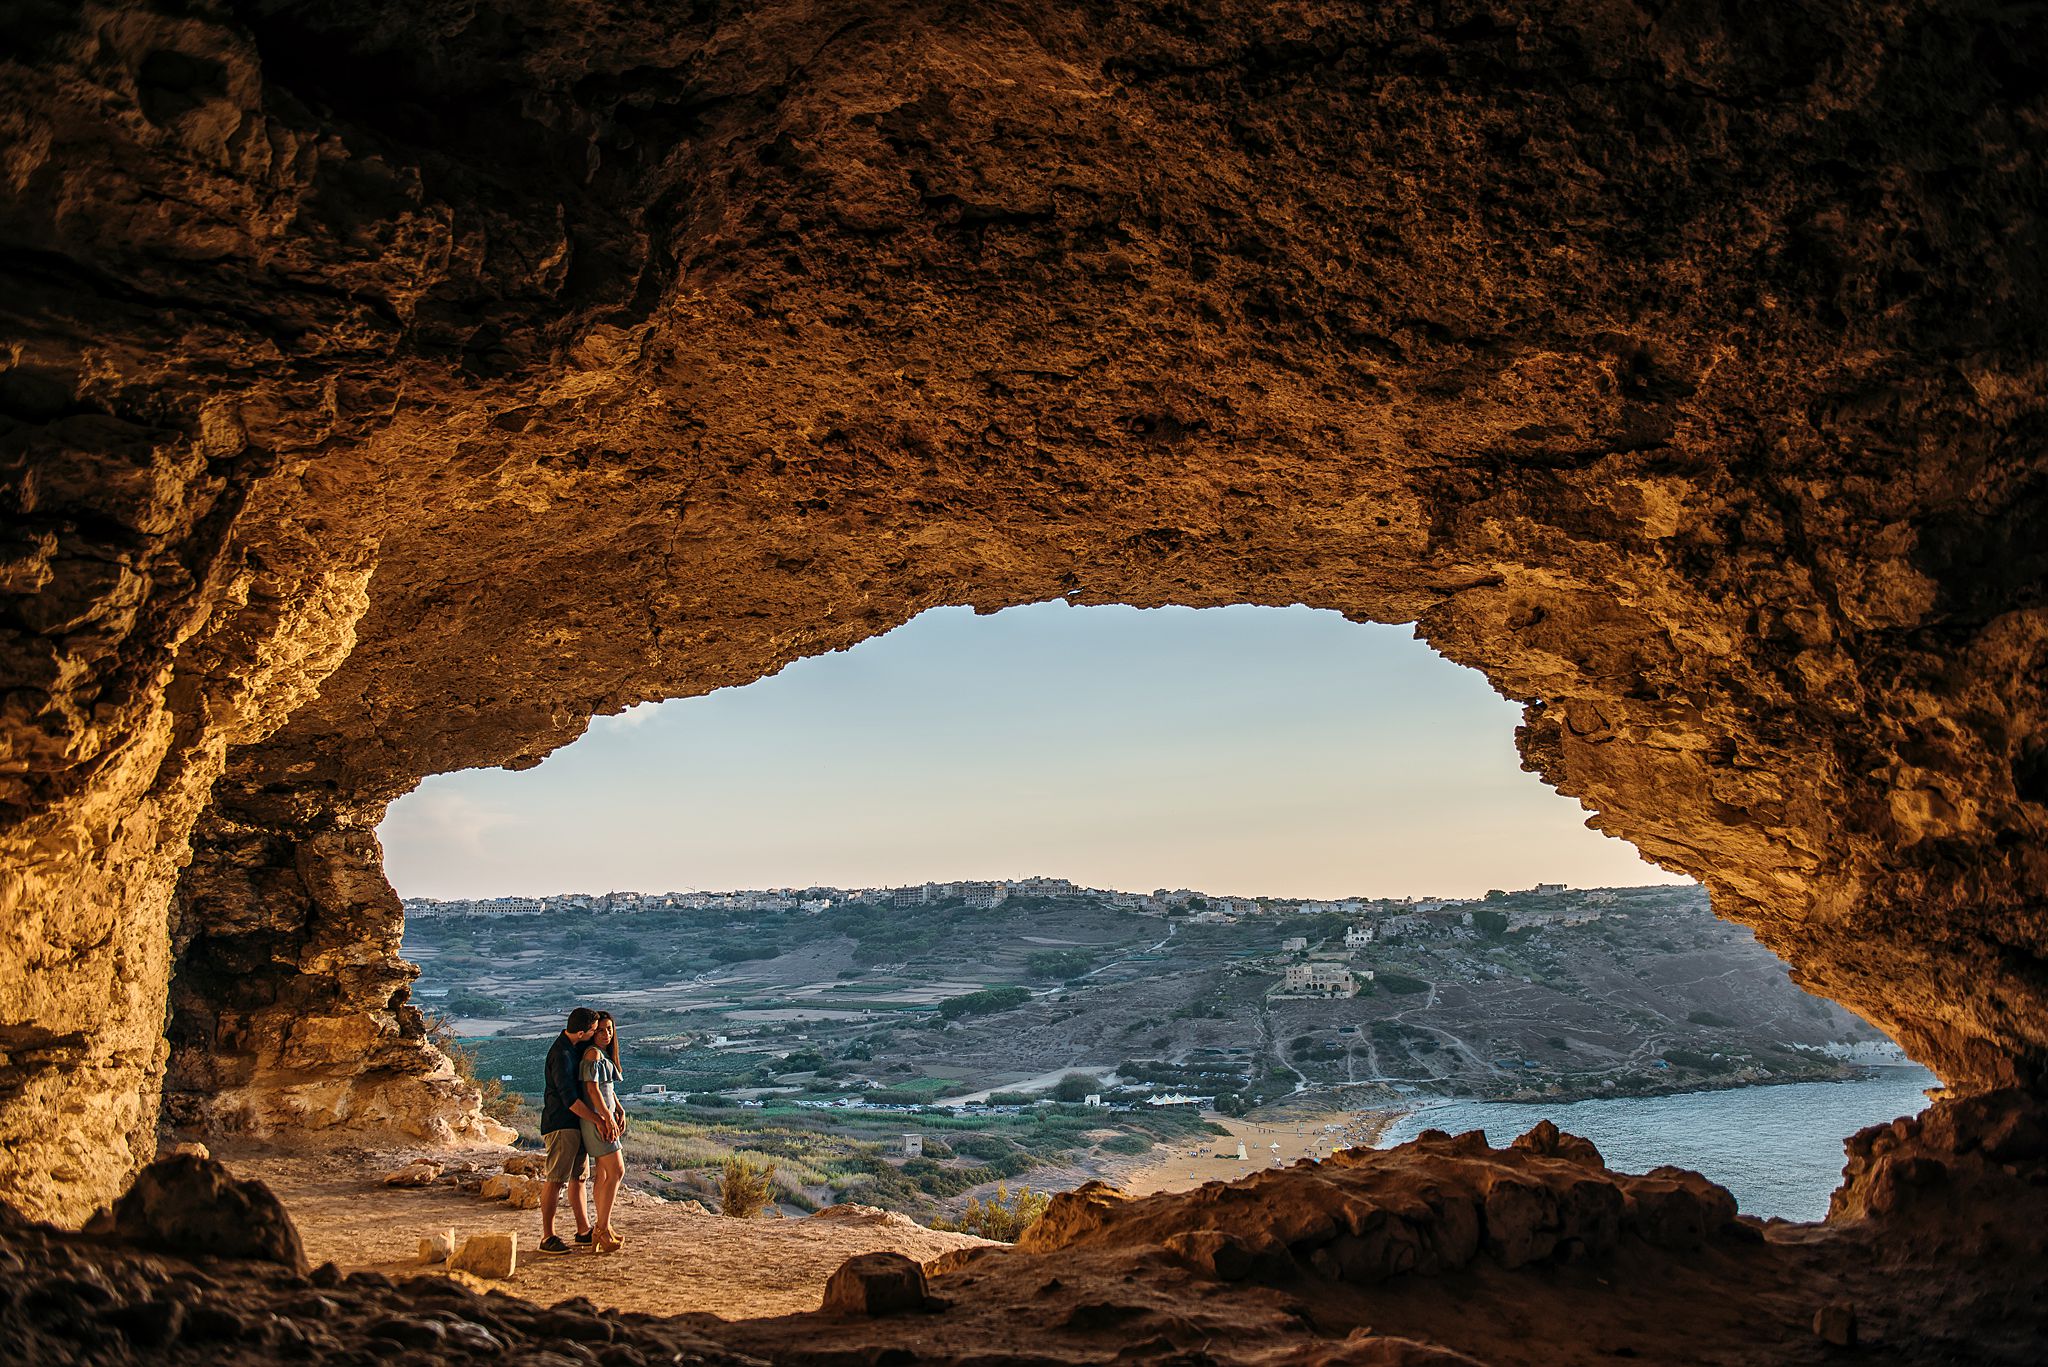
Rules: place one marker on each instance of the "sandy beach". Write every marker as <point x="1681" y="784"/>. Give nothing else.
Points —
<point x="1213" y="1158"/>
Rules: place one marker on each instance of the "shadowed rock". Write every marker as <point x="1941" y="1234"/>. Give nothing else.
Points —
<point x="195" y="1207"/>
<point x="876" y="1284"/>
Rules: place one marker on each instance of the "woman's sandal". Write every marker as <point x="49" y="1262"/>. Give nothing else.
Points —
<point x="608" y="1242"/>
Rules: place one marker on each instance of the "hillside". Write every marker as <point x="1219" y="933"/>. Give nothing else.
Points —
<point x="814" y="1040"/>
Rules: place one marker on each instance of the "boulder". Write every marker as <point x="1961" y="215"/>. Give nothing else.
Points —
<point x="491" y="1256"/>
<point x="189" y="1149"/>
<point x="496" y="1188"/>
<point x="438" y="1248"/>
<point x="525" y="1193"/>
<point x="1546" y="1139"/>
<point x="876" y="1284"/>
<point x="527" y="1164"/>
<point x="1836" y="1324"/>
<point x="194" y="1207"/>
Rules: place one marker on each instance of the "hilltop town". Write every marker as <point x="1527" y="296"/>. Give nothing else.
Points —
<point x="1198" y="907"/>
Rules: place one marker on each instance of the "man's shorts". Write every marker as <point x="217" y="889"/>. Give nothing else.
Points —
<point x="566" y="1160"/>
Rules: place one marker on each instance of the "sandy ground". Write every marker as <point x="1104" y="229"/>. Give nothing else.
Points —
<point x="675" y="1260"/>
<point x="1213" y="1158"/>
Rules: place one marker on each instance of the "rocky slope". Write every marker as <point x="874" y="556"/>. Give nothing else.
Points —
<point x="388" y="390"/>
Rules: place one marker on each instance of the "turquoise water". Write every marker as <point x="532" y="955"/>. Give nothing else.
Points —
<point x="1778" y="1149"/>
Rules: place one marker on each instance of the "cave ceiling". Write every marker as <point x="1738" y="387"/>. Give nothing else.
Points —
<point x="389" y="390"/>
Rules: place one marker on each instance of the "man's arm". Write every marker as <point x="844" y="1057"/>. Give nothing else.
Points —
<point x="592" y="1105"/>
<point x="569" y="1083"/>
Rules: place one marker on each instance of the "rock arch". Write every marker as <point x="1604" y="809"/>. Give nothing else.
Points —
<point x="389" y="393"/>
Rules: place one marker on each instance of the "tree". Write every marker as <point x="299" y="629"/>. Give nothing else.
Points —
<point x="1491" y="924"/>
<point x="1076" y="1087"/>
<point x="1495" y="895"/>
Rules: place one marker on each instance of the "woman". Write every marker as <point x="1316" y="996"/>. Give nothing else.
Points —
<point x="600" y="1074"/>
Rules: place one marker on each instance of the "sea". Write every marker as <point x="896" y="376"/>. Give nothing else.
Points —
<point x="1777" y="1149"/>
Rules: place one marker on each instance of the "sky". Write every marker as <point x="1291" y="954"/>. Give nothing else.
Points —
<point x="1253" y="751"/>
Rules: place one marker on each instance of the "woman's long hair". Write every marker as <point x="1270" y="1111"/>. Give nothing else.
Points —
<point x="612" y="1049"/>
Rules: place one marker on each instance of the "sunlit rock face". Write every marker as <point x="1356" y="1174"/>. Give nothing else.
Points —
<point x="389" y="389"/>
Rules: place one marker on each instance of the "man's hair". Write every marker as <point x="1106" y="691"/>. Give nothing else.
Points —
<point x="581" y="1019"/>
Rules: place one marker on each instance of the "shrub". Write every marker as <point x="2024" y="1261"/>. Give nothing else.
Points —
<point x="1132" y="1144"/>
<point x="983" y="1002"/>
<point x="1002" y="1217"/>
<point x="743" y="1187"/>
<point x="1709" y="1018"/>
<point x="1401" y="982"/>
<point x="1058" y="963"/>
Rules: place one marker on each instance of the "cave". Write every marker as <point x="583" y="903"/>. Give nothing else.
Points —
<point x="391" y="392"/>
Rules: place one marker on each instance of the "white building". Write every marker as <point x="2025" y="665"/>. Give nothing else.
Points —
<point x="1357" y="937"/>
<point x="1294" y="944"/>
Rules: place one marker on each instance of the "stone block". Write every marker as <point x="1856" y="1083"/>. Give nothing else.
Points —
<point x="492" y="1256"/>
<point x="496" y="1188"/>
<point x="438" y="1248"/>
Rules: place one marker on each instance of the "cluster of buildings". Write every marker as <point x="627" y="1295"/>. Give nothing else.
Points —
<point x="1325" y="973"/>
<point x="1199" y="907"/>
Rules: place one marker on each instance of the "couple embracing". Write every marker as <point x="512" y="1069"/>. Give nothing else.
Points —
<point x="582" y="1123"/>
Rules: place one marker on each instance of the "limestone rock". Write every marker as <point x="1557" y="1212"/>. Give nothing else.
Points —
<point x="871" y="1284"/>
<point x="194" y="1206"/>
<point x="438" y="1248"/>
<point x="492" y="1256"/>
<point x="415" y="1174"/>
<point x="497" y="1188"/>
<point x="1429" y="1207"/>
<point x="189" y="1149"/>
<point x="525" y="1193"/>
<point x="527" y="1164"/>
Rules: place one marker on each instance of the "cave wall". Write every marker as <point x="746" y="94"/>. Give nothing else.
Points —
<point x="387" y="392"/>
<point x="290" y="1009"/>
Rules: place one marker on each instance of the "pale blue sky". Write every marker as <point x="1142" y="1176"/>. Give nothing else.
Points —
<point x="1248" y="750"/>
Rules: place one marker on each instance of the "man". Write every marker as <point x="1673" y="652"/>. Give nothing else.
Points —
<point x="561" y="1107"/>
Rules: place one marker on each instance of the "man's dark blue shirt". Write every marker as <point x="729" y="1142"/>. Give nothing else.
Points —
<point x="564" y="1086"/>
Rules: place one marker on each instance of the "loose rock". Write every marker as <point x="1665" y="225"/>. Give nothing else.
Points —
<point x="495" y="1256"/>
<point x="418" y="1174"/>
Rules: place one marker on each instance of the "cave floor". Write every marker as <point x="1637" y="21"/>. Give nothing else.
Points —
<point x="677" y="1260"/>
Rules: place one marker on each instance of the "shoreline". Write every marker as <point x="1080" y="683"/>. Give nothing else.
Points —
<point x="1305" y="1128"/>
<point x="1314" y="1134"/>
